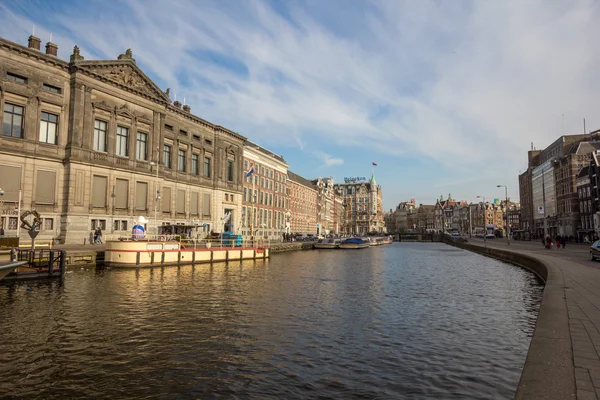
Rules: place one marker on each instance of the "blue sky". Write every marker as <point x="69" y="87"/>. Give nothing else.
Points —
<point x="445" y="96"/>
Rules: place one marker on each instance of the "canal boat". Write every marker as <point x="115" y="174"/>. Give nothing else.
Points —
<point x="354" y="243"/>
<point x="328" y="243"/>
<point x="387" y="239"/>
<point x="165" y="250"/>
<point x="375" y="241"/>
<point x="6" y="269"/>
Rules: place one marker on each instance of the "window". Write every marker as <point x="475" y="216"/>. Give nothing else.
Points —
<point x="121" y="194"/>
<point x="167" y="156"/>
<point x="99" y="223"/>
<point x="195" y="164"/>
<point x="230" y="170"/>
<point x="245" y="165"/>
<point x="206" y="204"/>
<point x="208" y="142"/>
<point x="169" y="127"/>
<point x="48" y="224"/>
<point x="122" y="141"/>
<point x="197" y="137"/>
<point x="16" y="78"/>
<point x="12" y="124"/>
<point x="141" y="196"/>
<point x="12" y="222"/>
<point x="100" y="136"/>
<point x="181" y="160"/>
<point x="48" y="128"/>
<point x="51" y="89"/>
<point x="181" y="201"/>
<point x="99" y="184"/>
<point x="140" y="148"/>
<point x="182" y="132"/>
<point x="207" y="167"/>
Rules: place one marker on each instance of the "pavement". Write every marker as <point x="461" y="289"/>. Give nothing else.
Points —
<point x="572" y="268"/>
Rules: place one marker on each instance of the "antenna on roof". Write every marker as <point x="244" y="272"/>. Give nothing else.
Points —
<point x="50" y="36"/>
<point x="584" y="131"/>
<point x="531" y="145"/>
<point x="33" y="31"/>
<point x="184" y="100"/>
<point x="175" y="99"/>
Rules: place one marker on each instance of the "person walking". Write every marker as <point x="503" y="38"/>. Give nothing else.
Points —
<point x="558" y="240"/>
<point x="563" y="241"/>
<point x="98" y="236"/>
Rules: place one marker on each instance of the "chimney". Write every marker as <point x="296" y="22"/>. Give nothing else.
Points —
<point x="34" y="42"/>
<point x="51" y="49"/>
<point x="186" y="108"/>
<point x="177" y="104"/>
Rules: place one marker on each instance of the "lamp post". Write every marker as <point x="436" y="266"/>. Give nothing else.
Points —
<point x="1" y="207"/>
<point x="484" y="221"/>
<point x="506" y="213"/>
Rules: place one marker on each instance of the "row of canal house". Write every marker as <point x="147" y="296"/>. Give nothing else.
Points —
<point x="450" y="214"/>
<point x="96" y="143"/>
<point x="558" y="190"/>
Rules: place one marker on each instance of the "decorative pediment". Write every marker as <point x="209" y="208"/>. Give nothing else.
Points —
<point x="230" y="149"/>
<point x="124" y="111"/>
<point x="103" y="105"/>
<point x="125" y="74"/>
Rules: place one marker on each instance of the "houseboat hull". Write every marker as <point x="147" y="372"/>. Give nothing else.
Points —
<point x="136" y="254"/>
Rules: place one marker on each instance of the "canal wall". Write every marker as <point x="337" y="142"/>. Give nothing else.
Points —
<point x="294" y="246"/>
<point x="549" y="371"/>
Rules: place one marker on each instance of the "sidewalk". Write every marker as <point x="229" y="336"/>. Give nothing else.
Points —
<point x="579" y="279"/>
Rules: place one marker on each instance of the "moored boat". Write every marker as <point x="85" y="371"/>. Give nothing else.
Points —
<point x="328" y="243"/>
<point x="387" y="239"/>
<point x="375" y="241"/>
<point x="8" y="268"/>
<point x="147" y="252"/>
<point x="354" y="243"/>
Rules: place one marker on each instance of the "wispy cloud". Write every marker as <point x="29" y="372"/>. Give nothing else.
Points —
<point x="460" y="84"/>
<point x="328" y="160"/>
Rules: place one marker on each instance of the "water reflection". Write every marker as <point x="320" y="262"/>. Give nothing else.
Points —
<point x="399" y="321"/>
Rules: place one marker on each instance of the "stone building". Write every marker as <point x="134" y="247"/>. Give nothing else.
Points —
<point x="426" y="218"/>
<point x="325" y="199"/>
<point x="588" y="223"/>
<point x="364" y="206"/>
<point x="265" y="200"/>
<point x="303" y="204"/>
<point x="97" y="143"/>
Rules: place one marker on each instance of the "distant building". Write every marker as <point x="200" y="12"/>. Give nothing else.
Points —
<point x="363" y="205"/>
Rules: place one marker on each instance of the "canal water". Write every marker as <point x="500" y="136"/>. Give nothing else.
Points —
<point x="402" y="321"/>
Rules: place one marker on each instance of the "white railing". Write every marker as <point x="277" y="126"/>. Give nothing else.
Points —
<point x="205" y="243"/>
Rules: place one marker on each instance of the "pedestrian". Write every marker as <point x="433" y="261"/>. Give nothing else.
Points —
<point x="1" y="231"/>
<point x="98" y="235"/>
<point x="563" y="241"/>
<point x="548" y="242"/>
<point x="558" y="241"/>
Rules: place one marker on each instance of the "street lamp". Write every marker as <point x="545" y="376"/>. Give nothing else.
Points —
<point x="506" y="207"/>
<point x="1" y="207"/>
<point x="484" y="220"/>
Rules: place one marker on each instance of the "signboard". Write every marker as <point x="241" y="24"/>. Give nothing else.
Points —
<point x="154" y="246"/>
<point x="356" y="179"/>
<point x="496" y="201"/>
<point x="171" y="246"/>
<point x="540" y="210"/>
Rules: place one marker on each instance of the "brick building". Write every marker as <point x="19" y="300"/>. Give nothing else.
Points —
<point x="303" y="204"/>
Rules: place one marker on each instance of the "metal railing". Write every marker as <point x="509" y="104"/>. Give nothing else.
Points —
<point x="50" y="261"/>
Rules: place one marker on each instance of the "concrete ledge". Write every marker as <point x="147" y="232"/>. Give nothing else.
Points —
<point x="549" y="371"/>
<point x="294" y="246"/>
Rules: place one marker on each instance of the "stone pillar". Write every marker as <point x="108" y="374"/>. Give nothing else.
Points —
<point x="76" y="113"/>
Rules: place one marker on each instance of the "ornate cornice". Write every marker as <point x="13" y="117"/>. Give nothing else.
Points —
<point x="33" y="54"/>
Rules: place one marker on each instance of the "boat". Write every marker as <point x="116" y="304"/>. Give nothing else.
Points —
<point x="8" y="268"/>
<point x="354" y="243"/>
<point x="387" y="239"/>
<point x="164" y="250"/>
<point x="328" y="243"/>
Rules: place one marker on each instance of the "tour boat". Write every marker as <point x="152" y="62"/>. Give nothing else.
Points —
<point x="375" y="241"/>
<point x="328" y="244"/>
<point x="387" y="239"/>
<point x="354" y="243"/>
<point x="129" y="252"/>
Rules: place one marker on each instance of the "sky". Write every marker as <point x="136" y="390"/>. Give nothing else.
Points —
<point x="446" y="97"/>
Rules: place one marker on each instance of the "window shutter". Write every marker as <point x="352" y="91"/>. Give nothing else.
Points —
<point x="10" y="182"/>
<point x="99" y="191"/>
<point x="166" y="199"/>
<point x="121" y="193"/>
<point x="141" y="195"/>
<point x="45" y="190"/>
<point x="181" y="201"/>
<point x="194" y="203"/>
<point x="206" y="204"/>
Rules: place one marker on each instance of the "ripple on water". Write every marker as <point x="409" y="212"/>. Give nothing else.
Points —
<point x="414" y="321"/>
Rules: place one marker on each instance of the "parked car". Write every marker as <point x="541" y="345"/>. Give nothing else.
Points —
<point x="595" y="250"/>
<point x="455" y="233"/>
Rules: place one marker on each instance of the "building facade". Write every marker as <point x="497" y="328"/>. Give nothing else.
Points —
<point x="364" y="206"/>
<point x="265" y="200"/>
<point x="97" y="143"/>
<point x="303" y="204"/>
<point x="588" y="223"/>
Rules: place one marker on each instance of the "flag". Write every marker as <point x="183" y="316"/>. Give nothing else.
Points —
<point x="374" y="164"/>
<point x="250" y="171"/>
